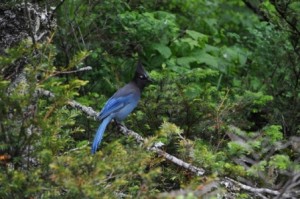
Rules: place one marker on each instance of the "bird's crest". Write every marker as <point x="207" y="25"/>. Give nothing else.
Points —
<point x="140" y="69"/>
<point x="141" y="77"/>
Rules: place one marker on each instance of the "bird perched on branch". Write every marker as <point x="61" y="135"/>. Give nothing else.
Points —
<point x="122" y="103"/>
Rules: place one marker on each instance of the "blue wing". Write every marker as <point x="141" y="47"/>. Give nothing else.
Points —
<point x="119" y="100"/>
<point x="117" y="107"/>
<point x="114" y="104"/>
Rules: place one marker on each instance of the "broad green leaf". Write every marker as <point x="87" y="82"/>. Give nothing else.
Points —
<point x="185" y="61"/>
<point x="280" y="161"/>
<point x="162" y="49"/>
<point x="191" y="42"/>
<point x="205" y="58"/>
<point x="196" y="35"/>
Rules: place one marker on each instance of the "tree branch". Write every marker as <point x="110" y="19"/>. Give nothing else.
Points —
<point x="56" y="8"/>
<point x="229" y="183"/>
<point x="90" y="112"/>
<point x="284" y="17"/>
<point x="157" y="150"/>
<point x="72" y="71"/>
<point x="256" y="10"/>
<point x="254" y="189"/>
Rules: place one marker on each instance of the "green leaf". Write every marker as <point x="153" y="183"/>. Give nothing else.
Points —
<point x="185" y="61"/>
<point x="274" y="132"/>
<point x="192" y="91"/>
<point x="281" y="162"/>
<point x="191" y="42"/>
<point x="164" y="50"/>
<point x="256" y="168"/>
<point x="196" y="35"/>
<point x="208" y="59"/>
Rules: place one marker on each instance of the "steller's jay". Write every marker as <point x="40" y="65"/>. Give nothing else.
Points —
<point x="122" y="103"/>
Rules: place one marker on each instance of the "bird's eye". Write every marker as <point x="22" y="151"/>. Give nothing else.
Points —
<point x="142" y="77"/>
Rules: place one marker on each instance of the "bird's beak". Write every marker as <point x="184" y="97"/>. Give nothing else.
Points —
<point x="150" y="80"/>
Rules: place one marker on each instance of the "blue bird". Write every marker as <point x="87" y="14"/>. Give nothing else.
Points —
<point x="122" y="103"/>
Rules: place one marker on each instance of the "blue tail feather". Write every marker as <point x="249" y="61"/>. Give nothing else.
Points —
<point x="99" y="134"/>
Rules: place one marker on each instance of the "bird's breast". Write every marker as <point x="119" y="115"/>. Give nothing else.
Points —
<point x="127" y="109"/>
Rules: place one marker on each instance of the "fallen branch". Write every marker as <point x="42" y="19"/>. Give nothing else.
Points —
<point x="230" y="182"/>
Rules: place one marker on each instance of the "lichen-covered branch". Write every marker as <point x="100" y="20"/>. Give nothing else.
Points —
<point x="86" y="68"/>
<point x="229" y="183"/>
<point x="175" y="160"/>
<point x="87" y="110"/>
<point x="90" y="112"/>
<point x="179" y="162"/>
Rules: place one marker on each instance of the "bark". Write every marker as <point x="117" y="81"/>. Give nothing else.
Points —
<point x="19" y="22"/>
<point x="24" y="21"/>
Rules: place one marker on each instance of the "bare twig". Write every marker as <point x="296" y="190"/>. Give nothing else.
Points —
<point x="73" y="71"/>
<point x="76" y="149"/>
<point x="69" y="72"/>
<point x="290" y="184"/>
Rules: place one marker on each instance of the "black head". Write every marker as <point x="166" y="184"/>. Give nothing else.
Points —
<point x="141" y="77"/>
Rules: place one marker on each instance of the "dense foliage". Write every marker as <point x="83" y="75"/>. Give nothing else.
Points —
<point x="226" y="98"/>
